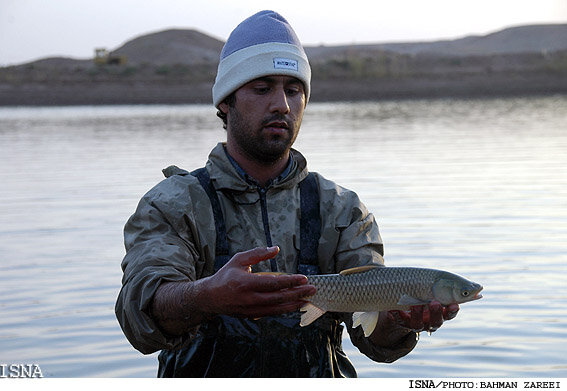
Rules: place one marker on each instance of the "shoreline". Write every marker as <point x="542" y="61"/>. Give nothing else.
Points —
<point x="171" y="92"/>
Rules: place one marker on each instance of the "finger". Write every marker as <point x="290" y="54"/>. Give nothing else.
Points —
<point x="416" y="317"/>
<point x="280" y="297"/>
<point x="254" y="256"/>
<point x="451" y="311"/>
<point x="401" y="318"/>
<point x="435" y="320"/>
<point x="262" y="304"/>
<point x="270" y="283"/>
<point x="261" y="311"/>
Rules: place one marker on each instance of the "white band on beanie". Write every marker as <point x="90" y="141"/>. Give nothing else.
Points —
<point x="266" y="59"/>
<point x="262" y="45"/>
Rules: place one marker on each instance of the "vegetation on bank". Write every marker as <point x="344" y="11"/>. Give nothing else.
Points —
<point x="348" y="65"/>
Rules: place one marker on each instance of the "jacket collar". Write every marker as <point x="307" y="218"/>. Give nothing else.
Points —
<point x="228" y="175"/>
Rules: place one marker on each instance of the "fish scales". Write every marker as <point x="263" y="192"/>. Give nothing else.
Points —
<point x="366" y="290"/>
<point x="378" y="288"/>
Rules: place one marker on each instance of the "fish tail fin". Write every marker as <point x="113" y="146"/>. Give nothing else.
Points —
<point x="367" y="320"/>
<point x="311" y="313"/>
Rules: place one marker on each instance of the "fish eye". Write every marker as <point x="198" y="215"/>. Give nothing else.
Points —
<point x="465" y="293"/>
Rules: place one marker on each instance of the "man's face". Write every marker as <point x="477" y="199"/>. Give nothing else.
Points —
<point x="265" y="119"/>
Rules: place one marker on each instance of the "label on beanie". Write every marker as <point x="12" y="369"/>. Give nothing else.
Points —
<point x="285" y="63"/>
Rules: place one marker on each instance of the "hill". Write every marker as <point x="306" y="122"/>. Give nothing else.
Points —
<point x="179" y="66"/>
<point x="513" y="40"/>
<point x="172" y="47"/>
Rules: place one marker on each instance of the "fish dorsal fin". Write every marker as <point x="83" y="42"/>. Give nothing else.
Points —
<point x="358" y="269"/>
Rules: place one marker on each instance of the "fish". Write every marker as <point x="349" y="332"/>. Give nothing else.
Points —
<point x="367" y="290"/>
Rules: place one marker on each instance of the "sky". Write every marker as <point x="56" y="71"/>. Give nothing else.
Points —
<point x="34" y="29"/>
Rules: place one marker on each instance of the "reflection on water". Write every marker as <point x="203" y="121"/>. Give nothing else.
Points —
<point x="476" y="187"/>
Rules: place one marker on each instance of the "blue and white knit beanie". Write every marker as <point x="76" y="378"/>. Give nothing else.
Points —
<point x="262" y="45"/>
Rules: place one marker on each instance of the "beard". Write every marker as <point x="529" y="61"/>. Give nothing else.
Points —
<point x="257" y="143"/>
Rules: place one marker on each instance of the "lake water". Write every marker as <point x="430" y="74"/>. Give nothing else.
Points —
<point x="477" y="187"/>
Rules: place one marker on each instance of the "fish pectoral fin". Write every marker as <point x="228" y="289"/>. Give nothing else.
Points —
<point x="358" y="269"/>
<point x="311" y="314"/>
<point x="408" y="300"/>
<point x="367" y="320"/>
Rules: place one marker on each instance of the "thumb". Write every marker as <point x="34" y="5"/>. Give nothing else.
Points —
<point x="254" y="256"/>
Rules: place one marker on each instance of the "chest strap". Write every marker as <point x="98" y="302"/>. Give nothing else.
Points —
<point x="221" y="247"/>
<point x="309" y="226"/>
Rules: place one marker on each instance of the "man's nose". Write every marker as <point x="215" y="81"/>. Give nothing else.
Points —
<point x="279" y="101"/>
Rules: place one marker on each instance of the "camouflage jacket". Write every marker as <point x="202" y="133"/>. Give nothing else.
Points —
<point x="171" y="237"/>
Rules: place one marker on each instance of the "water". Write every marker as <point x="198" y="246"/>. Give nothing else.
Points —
<point x="477" y="187"/>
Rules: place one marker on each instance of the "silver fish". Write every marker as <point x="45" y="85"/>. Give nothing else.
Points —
<point x="369" y="289"/>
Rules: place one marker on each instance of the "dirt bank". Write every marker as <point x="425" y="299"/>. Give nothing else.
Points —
<point x="49" y="93"/>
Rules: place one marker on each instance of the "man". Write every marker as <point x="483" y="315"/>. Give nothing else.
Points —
<point x="192" y="243"/>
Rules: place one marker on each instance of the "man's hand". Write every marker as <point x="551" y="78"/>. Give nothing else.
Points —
<point x="233" y="290"/>
<point x="428" y="317"/>
<point x="394" y="326"/>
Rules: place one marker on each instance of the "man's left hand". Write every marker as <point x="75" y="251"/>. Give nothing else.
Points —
<point x="394" y="326"/>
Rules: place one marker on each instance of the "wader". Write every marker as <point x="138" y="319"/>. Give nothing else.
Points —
<point x="272" y="346"/>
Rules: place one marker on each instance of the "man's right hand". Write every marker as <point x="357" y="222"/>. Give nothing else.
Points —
<point x="233" y="290"/>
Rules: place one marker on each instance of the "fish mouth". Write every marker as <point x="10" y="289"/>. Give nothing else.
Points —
<point x="477" y="295"/>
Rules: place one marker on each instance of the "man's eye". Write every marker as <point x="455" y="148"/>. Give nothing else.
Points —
<point x="262" y="90"/>
<point x="294" y="90"/>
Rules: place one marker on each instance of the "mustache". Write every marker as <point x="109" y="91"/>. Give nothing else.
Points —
<point x="279" y="119"/>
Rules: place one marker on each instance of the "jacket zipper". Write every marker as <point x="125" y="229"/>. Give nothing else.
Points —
<point x="264" y="206"/>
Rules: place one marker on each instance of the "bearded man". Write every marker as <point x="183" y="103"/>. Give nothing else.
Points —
<point x="196" y="240"/>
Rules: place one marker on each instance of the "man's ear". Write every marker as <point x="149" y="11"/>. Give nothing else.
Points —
<point x="223" y="106"/>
